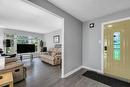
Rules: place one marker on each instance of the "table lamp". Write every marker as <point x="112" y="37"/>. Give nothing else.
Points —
<point x="2" y="64"/>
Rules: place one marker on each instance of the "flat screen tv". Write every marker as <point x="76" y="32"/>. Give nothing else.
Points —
<point x="25" y="48"/>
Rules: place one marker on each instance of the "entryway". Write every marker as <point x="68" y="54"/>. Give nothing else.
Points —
<point x="116" y="42"/>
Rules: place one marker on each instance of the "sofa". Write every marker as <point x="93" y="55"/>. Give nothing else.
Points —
<point x="16" y="67"/>
<point x="53" y="56"/>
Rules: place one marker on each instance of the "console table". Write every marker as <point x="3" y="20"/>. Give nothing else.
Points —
<point x="21" y="56"/>
<point x="6" y="80"/>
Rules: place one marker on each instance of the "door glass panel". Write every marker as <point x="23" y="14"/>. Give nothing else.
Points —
<point x="116" y="46"/>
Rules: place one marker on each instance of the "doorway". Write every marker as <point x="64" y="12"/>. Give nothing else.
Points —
<point x="116" y="56"/>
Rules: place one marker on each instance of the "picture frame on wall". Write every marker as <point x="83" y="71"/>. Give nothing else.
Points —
<point x="56" y="39"/>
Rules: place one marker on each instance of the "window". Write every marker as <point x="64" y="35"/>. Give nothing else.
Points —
<point x="28" y="40"/>
<point x="116" y="46"/>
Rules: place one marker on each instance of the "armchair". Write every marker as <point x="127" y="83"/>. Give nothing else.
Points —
<point x="53" y="56"/>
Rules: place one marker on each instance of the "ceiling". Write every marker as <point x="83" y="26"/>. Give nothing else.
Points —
<point x="20" y="15"/>
<point x="85" y="10"/>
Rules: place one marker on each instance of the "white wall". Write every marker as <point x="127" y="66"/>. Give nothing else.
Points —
<point x="17" y="32"/>
<point x="48" y="38"/>
<point x="1" y="38"/>
<point x="91" y="45"/>
<point x="25" y="33"/>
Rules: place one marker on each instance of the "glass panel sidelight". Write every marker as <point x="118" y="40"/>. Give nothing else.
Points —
<point x="116" y="46"/>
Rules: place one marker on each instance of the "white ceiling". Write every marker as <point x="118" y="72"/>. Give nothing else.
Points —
<point x="19" y="15"/>
<point x="90" y="9"/>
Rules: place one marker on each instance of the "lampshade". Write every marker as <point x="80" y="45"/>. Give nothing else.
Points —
<point x="2" y="63"/>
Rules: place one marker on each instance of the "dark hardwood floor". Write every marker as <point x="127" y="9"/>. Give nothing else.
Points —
<point x="40" y="74"/>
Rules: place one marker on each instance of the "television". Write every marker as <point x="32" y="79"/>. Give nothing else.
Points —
<point x="25" y="48"/>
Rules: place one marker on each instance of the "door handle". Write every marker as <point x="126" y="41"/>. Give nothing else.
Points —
<point x="105" y="48"/>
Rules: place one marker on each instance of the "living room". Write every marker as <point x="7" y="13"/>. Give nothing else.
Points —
<point x="28" y="47"/>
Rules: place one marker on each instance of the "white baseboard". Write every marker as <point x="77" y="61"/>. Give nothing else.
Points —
<point x="72" y="72"/>
<point x="96" y="70"/>
<point x="77" y="69"/>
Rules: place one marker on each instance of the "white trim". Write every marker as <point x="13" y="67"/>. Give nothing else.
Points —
<point x="92" y="69"/>
<point x="102" y="39"/>
<point x="81" y="67"/>
<point x="102" y="48"/>
<point x="62" y="69"/>
<point x="72" y="72"/>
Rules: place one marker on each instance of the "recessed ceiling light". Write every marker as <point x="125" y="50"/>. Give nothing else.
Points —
<point x="109" y="25"/>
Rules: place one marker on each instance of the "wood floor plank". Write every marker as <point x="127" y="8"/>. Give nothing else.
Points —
<point x="40" y="74"/>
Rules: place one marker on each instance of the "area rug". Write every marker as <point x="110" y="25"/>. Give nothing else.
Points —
<point x="106" y="80"/>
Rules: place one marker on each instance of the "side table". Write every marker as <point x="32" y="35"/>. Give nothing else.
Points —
<point x="6" y="80"/>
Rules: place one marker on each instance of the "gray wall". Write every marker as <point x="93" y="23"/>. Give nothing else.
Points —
<point x="48" y="38"/>
<point x="72" y="36"/>
<point x="91" y="45"/>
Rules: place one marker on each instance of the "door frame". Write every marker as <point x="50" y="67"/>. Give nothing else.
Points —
<point x="43" y="9"/>
<point x="102" y="39"/>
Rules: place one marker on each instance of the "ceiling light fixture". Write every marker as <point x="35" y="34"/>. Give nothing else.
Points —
<point x="109" y="25"/>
